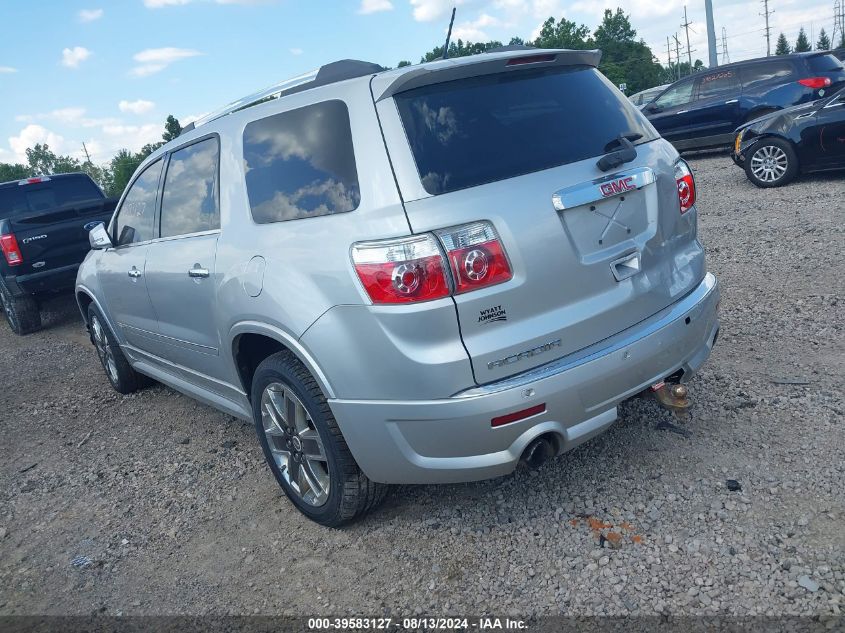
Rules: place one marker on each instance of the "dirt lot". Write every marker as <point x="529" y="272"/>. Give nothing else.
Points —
<point x="174" y="508"/>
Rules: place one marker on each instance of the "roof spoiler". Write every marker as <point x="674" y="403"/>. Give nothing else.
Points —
<point x="392" y="82"/>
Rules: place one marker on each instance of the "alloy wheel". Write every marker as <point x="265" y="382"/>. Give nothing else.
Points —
<point x="295" y="444"/>
<point x="104" y="350"/>
<point x="769" y="163"/>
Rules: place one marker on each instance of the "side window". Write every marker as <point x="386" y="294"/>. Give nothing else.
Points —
<point x="718" y="83"/>
<point x="189" y="202"/>
<point x="137" y="213"/>
<point x="301" y="164"/>
<point x="755" y="74"/>
<point x="675" y="96"/>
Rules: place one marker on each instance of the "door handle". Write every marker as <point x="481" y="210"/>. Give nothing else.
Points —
<point x="732" y="101"/>
<point x="135" y="273"/>
<point x="198" y="273"/>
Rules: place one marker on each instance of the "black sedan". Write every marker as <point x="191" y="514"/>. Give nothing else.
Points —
<point x="775" y="148"/>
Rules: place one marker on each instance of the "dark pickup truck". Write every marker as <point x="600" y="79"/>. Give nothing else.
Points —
<point x="44" y="224"/>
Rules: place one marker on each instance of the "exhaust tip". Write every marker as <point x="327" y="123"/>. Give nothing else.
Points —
<point x="539" y="451"/>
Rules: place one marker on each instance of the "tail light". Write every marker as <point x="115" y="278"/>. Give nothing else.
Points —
<point x="413" y="269"/>
<point x="11" y="250"/>
<point x="401" y="271"/>
<point x="476" y="256"/>
<point x="815" y="82"/>
<point x="686" y="185"/>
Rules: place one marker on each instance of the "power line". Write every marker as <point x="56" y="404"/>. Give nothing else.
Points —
<point x="766" y="13"/>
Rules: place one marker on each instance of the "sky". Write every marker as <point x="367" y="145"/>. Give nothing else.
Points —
<point x="107" y="73"/>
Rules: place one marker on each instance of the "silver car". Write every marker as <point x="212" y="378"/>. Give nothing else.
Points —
<point x="417" y="275"/>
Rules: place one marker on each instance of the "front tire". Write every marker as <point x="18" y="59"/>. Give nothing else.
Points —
<point x="22" y="313"/>
<point x="122" y="377"/>
<point x="304" y="447"/>
<point x="771" y="162"/>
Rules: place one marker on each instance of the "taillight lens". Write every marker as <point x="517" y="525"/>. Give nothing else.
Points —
<point x="815" y="82"/>
<point x="401" y="271"/>
<point x="476" y="256"/>
<point x="686" y="185"/>
<point x="11" y="251"/>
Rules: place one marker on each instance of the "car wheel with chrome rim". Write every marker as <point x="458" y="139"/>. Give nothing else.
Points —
<point x="771" y="162"/>
<point x="304" y="446"/>
<point x="122" y="377"/>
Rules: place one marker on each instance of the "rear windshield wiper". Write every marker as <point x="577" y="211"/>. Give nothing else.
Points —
<point x="616" y="157"/>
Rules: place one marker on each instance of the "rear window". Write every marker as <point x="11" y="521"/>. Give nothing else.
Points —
<point x="469" y="132"/>
<point x="824" y="64"/>
<point x="44" y="196"/>
<point x="301" y="164"/>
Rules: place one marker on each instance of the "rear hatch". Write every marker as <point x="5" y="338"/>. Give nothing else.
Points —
<point x="827" y="66"/>
<point x="592" y="252"/>
<point x="50" y="218"/>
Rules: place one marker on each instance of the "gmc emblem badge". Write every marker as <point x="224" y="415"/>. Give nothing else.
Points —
<point x="615" y="187"/>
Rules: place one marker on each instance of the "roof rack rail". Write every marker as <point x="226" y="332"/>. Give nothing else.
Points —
<point x="326" y="74"/>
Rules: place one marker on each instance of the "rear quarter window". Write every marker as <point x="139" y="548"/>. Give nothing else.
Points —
<point x="473" y="131"/>
<point x="301" y="164"/>
<point x="824" y="64"/>
<point x="755" y="74"/>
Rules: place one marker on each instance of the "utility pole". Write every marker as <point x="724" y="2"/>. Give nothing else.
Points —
<point x="838" y="22"/>
<point x="711" y="34"/>
<point x="686" y="28"/>
<point x="766" y="13"/>
<point x="85" y="149"/>
<point x="669" y="57"/>
<point x="726" y="58"/>
<point x="678" y="55"/>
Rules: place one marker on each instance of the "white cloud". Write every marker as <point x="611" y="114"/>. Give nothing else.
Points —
<point x="29" y="136"/>
<point x="474" y="31"/>
<point x="374" y="6"/>
<point x="90" y="15"/>
<point x="68" y="115"/>
<point x="131" y="137"/>
<point x="7" y="69"/>
<point x="141" y="106"/>
<point x="153" y="60"/>
<point x="296" y="51"/>
<point x="428" y="10"/>
<point x="72" y="57"/>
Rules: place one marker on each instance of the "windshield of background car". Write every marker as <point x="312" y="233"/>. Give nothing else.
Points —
<point x="47" y="195"/>
<point x="484" y="129"/>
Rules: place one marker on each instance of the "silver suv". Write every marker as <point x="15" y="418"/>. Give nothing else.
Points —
<point x="417" y="275"/>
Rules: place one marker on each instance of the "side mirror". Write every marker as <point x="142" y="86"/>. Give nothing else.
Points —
<point x="652" y="108"/>
<point x="99" y="238"/>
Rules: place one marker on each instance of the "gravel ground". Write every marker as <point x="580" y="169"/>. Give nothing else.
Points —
<point x="174" y="511"/>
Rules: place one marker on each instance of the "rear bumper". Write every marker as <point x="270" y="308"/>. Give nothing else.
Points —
<point x="52" y="280"/>
<point x="451" y="440"/>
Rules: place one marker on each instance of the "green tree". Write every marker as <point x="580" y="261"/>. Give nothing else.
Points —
<point x="13" y="171"/>
<point x="42" y="160"/>
<point x="172" y="129"/>
<point x="460" y="49"/>
<point x="403" y="63"/>
<point x="122" y="166"/>
<point x="625" y="59"/>
<point x="802" y="44"/>
<point x="562" y="34"/>
<point x="823" y="43"/>
<point x="782" y="46"/>
<point x="516" y="41"/>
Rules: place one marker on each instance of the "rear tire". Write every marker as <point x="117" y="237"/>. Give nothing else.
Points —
<point x="122" y="377"/>
<point x="304" y="447"/>
<point x="771" y="162"/>
<point x="22" y="313"/>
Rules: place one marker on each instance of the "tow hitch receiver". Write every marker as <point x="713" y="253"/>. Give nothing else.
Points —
<point x="674" y="397"/>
